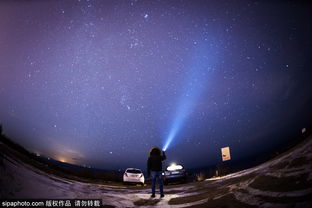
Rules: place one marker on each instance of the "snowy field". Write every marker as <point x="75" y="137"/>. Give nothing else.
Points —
<point x="285" y="181"/>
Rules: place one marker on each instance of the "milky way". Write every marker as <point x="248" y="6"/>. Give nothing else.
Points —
<point x="98" y="83"/>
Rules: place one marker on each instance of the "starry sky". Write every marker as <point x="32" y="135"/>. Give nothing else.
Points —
<point x="99" y="83"/>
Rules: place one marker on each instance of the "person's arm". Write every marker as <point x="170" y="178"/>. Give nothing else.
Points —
<point x="163" y="156"/>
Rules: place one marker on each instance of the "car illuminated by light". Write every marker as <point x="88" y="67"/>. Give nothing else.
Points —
<point x="174" y="173"/>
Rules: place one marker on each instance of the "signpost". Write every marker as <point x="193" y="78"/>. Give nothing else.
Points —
<point x="226" y="156"/>
<point x="225" y="151"/>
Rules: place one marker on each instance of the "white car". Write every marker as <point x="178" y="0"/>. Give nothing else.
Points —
<point x="133" y="175"/>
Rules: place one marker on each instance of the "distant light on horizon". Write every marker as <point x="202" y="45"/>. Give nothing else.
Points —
<point x="63" y="160"/>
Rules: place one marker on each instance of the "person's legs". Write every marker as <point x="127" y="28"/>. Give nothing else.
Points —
<point x="160" y="182"/>
<point x="153" y="175"/>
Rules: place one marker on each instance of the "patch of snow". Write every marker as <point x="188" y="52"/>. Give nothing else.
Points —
<point x="256" y="201"/>
<point x="279" y="194"/>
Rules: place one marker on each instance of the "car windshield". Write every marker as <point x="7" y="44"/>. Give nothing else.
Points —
<point x="133" y="171"/>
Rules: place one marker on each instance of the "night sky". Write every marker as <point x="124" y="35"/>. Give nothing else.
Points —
<point x="98" y="83"/>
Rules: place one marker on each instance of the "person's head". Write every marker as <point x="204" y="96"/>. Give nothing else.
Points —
<point x="155" y="151"/>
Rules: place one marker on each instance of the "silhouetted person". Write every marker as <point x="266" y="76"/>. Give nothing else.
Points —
<point x="154" y="169"/>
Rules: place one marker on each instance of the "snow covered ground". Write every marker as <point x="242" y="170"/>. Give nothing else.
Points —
<point x="285" y="181"/>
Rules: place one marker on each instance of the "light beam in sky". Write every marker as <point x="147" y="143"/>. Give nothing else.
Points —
<point x="196" y="83"/>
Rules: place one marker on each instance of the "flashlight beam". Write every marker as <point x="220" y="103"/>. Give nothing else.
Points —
<point x="195" y="84"/>
<point x="177" y="124"/>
